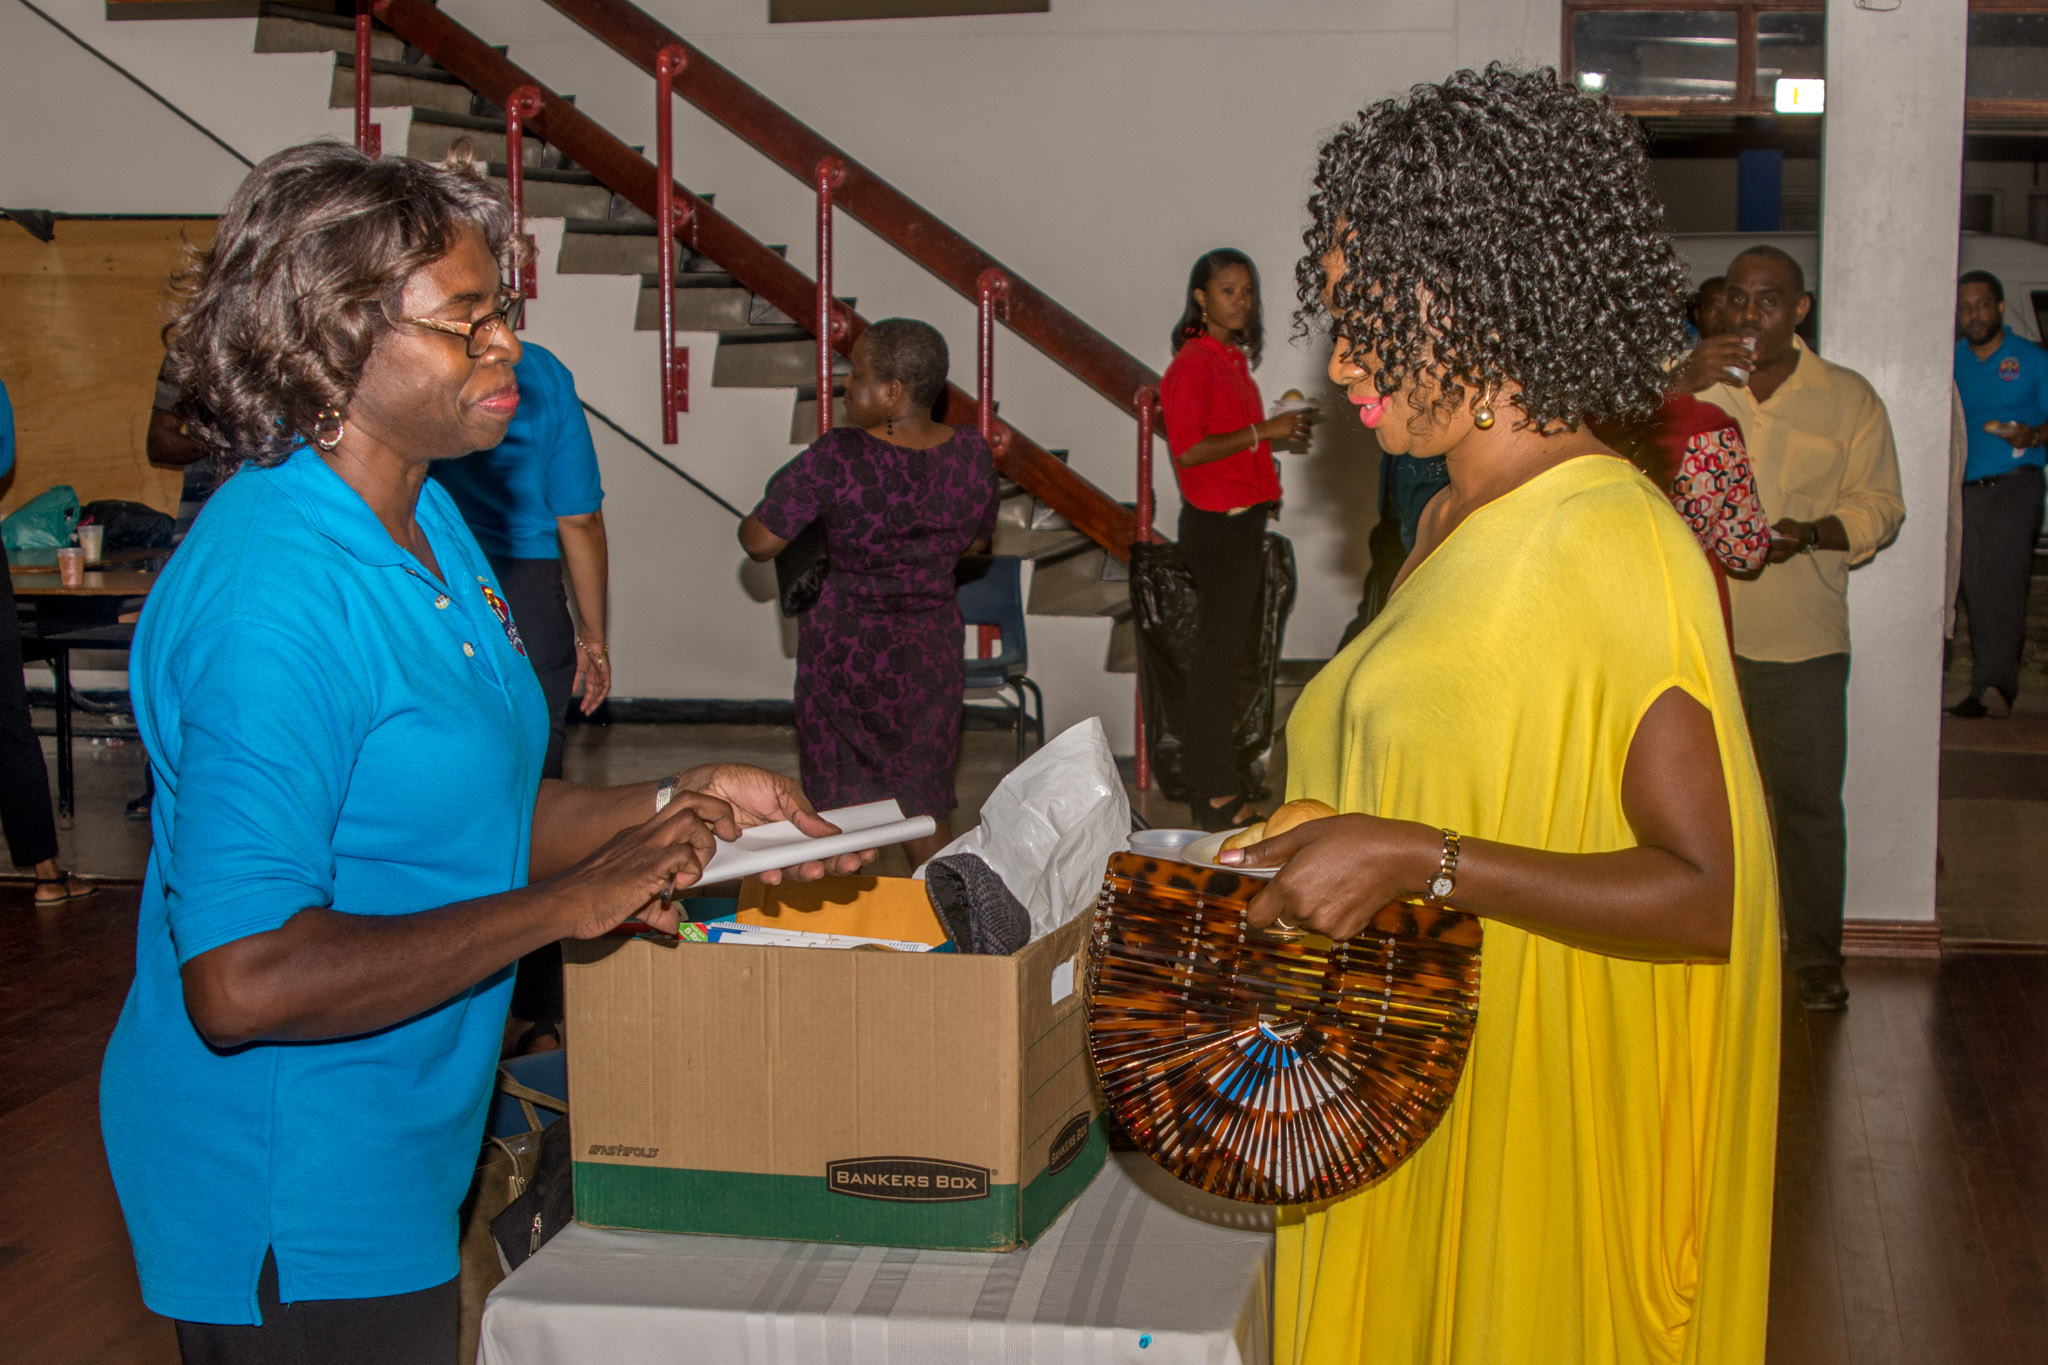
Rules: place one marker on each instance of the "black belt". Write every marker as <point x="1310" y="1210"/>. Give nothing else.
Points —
<point x="1990" y="479"/>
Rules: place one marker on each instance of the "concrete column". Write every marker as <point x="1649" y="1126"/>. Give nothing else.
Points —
<point x="1891" y="183"/>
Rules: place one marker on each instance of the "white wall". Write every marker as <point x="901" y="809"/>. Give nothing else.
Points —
<point x="81" y="139"/>
<point x="1895" y="121"/>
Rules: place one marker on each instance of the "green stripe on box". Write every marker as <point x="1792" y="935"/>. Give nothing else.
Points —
<point x="797" y="1208"/>
<point x="801" y="1208"/>
<point x="1049" y="1193"/>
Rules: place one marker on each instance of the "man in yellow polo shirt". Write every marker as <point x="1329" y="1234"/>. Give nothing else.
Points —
<point x="1828" y="475"/>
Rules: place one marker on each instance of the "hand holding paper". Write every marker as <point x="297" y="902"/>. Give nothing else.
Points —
<point x="760" y="799"/>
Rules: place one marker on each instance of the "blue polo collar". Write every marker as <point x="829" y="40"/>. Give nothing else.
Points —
<point x="338" y="512"/>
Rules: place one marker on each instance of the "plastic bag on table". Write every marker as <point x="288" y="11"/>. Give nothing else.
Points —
<point x="1049" y="827"/>
<point x="44" y="522"/>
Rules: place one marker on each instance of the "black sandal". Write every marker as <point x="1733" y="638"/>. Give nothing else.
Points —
<point x="1214" y="819"/>
<point x="63" y="879"/>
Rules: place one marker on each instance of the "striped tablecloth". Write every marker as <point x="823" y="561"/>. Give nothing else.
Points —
<point x="1140" y="1269"/>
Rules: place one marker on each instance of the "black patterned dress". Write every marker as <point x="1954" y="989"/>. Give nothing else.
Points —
<point x="878" y="669"/>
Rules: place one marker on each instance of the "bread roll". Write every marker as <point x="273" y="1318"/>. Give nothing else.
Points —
<point x="1280" y="821"/>
<point x="1296" y="813"/>
<point x="1247" y="836"/>
<point x="1292" y="396"/>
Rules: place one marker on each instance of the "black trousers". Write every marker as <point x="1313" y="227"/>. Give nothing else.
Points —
<point x="1799" y="722"/>
<point x="540" y="608"/>
<point x="25" y="811"/>
<point x="1227" y="557"/>
<point x="419" y="1328"/>
<point x="2001" y="518"/>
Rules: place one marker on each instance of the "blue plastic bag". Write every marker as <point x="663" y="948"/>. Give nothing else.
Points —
<point x="44" y="522"/>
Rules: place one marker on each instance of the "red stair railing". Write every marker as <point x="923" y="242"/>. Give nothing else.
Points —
<point x="825" y="176"/>
<point x="369" y="137"/>
<point x="705" y="230"/>
<point x="991" y="292"/>
<point x="666" y="63"/>
<point x="870" y="200"/>
<point x="523" y="105"/>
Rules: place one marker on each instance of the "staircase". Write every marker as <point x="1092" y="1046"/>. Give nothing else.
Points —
<point x="758" y="345"/>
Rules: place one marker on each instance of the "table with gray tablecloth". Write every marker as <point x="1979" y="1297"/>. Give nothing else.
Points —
<point x="1139" y="1269"/>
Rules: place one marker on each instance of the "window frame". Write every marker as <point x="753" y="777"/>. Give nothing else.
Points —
<point x="1748" y="99"/>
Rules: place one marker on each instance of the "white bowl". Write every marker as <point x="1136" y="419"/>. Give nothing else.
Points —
<point x="1162" y="843"/>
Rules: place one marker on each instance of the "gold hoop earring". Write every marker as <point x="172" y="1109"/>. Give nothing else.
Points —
<point x="1482" y="417"/>
<point x="328" y="429"/>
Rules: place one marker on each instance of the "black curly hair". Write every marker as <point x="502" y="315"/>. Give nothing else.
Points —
<point x="1498" y="227"/>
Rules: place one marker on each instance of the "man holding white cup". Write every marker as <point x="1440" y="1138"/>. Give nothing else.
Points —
<point x="1820" y="443"/>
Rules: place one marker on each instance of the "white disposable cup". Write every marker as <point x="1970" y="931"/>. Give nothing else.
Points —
<point x="92" y="538"/>
<point x="71" y="567"/>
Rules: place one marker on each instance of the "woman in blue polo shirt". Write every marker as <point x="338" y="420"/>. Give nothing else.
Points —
<point x="352" y="841"/>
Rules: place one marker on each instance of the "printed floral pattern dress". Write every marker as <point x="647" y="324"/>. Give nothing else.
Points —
<point x="878" y="672"/>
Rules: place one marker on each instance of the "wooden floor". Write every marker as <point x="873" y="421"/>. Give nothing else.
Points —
<point x="1912" y="1218"/>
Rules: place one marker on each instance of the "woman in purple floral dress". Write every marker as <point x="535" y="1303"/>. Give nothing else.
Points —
<point x="878" y="665"/>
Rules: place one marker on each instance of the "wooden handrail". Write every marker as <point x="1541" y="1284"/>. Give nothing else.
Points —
<point x="706" y="231"/>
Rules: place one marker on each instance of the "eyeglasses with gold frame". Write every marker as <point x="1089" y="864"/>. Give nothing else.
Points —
<point x="476" y="334"/>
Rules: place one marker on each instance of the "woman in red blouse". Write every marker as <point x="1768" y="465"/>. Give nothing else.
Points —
<point x="1229" y="487"/>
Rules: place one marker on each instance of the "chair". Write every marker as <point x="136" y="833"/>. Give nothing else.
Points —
<point x="991" y="592"/>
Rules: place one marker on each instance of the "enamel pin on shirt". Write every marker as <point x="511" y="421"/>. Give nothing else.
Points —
<point x="504" y="614"/>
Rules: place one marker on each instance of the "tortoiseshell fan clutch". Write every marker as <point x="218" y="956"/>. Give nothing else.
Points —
<point x="1268" y="1069"/>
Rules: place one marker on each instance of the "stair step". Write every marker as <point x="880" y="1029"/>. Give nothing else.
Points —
<point x="431" y="141"/>
<point x="1073" y="586"/>
<point x="418" y="87"/>
<point x="434" y="131"/>
<point x="726" y="310"/>
<point x="701" y="305"/>
<point x="559" y="192"/>
<point x="614" y="246"/>
<point x="287" y="28"/>
<point x="765" y="358"/>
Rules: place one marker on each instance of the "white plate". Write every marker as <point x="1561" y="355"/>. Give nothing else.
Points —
<point x="1202" y="853"/>
<point x="1284" y="406"/>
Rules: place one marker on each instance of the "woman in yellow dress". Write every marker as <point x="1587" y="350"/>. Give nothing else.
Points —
<point x="1541" y="728"/>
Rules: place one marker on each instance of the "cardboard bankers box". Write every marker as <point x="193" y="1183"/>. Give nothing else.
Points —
<point x="833" y="1095"/>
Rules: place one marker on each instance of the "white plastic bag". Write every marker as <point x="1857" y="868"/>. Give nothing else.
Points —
<point x="1050" y="826"/>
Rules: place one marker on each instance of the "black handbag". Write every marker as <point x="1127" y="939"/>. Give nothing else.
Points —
<point x="801" y="568"/>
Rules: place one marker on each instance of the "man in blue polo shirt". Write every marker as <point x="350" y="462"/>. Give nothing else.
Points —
<point x="2003" y="380"/>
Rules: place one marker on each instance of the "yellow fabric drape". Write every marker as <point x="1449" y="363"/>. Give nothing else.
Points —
<point x="1600" y="1189"/>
